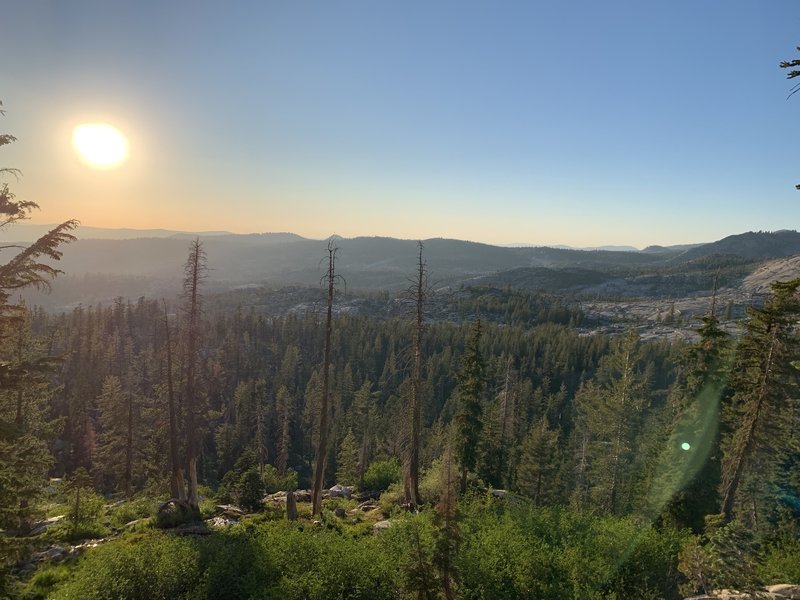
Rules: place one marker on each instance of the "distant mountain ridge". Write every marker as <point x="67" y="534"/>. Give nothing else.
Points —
<point x="755" y="245"/>
<point x="279" y="259"/>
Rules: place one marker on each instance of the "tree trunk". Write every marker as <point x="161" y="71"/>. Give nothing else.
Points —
<point x="746" y="445"/>
<point x="322" y="447"/>
<point x="194" y="272"/>
<point x="129" y="449"/>
<point x="411" y="471"/>
<point x="176" y="479"/>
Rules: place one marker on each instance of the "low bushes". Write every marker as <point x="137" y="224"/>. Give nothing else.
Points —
<point x="504" y="551"/>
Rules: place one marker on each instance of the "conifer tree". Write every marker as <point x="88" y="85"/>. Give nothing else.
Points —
<point x="686" y="485"/>
<point x="448" y="534"/>
<point x="347" y="460"/>
<point x="283" y="403"/>
<point x="177" y="486"/>
<point x="117" y="441"/>
<point x="469" y="396"/>
<point x="611" y="415"/>
<point x="363" y="419"/>
<point x="539" y="463"/>
<point x="24" y="457"/>
<point x="498" y="433"/>
<point x="765" y="384"/>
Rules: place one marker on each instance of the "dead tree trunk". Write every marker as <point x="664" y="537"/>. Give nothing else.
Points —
<point x="322" y="446"/>
<point x="177" y="488"/>
<point x="194" y="273"/>
<point x="411" y="470"/>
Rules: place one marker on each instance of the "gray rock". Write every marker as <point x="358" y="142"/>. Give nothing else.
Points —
<point x="339" y="491"/>
<point x="303" y="495"/>
<point x="381" y="525"/>
<point x="339" y="512"/>
<point x="51" y="553"/>
<point x="41" y="526"/>
<point x="785" y="590"/>
<point x="230" y="511"/>
<point x="221" y="522"/>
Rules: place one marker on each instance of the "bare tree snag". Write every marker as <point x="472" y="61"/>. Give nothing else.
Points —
<point x="322" y="446"/>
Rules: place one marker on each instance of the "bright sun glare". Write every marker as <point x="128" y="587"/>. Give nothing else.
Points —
<point x="100" y="145"/>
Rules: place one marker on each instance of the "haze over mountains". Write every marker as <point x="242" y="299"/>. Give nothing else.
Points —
<point x="149" y="262"/>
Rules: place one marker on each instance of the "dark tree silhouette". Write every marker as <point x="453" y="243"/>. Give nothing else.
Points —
<point x="418" y="293"/>
<point x="194" y="273"/>
<point x="322" y="447"/>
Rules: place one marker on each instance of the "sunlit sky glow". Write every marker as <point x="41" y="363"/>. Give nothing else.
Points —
<point x="100" y="145"/>
<point x="581" y="123"/>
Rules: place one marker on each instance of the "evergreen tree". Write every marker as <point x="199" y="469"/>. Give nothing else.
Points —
<point x="24" y="457"/>
<point x="347" y="460"/>
<point x="284" y="407"/>
<point x="539" y="464"/>
<point x="194" y="274"/>
<point x="760" y="417"/>
<point x="448" y="534"/>
<point x="469" y="396"/>
<point x="118" y="438"/>
<point x="612" y="412"/>
<point x="686" y="486"/>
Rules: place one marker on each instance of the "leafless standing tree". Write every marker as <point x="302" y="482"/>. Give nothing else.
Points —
<point x="418" y="292"/>
<point x="194" y="273"/>
<point x="322" y="446"/>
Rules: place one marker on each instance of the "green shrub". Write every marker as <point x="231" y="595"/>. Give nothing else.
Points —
<point x="251" y="490"/>
<point x="382" y="473"/>
<point x="390" y="499"/>
<point x="156" y="565"/>
<point x="139" y="508"/>
<point x="173" y="515"/>
<point x="430" y="484"/>
<point x="275" y="483"/>
<point x="47" y="578"/>
<point x="227" y="491"/>
<point x="781" y="562"/>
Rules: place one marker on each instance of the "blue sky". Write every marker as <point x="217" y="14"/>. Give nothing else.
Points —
<point x="579" y="123"/>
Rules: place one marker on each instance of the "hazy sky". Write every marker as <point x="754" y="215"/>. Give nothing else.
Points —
<point x="573" y="122"/>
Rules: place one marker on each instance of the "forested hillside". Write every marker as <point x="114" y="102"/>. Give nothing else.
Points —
<point x="202" y="402"/>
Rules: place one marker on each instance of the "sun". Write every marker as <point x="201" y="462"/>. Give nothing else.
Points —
<point x="100" y="145"/>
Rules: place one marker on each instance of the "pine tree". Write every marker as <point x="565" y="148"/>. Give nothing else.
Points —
<point x="284" y="407"/>
<point x="469" y="396"/>
<point x="497" y="439"/>
<point x="448" y="534"/>
<point x="24" y="457"/>
<point x="363" y="419"/>
<point x="177" y="486"/>
<point x="118" y="438"/>
<point x="686" y="486"/>
<point x="765" y="384"/>
<point x="611" y="413"/>
<point x="347" y="460"/>
<point x="539" y="464"/>
<point x="194" y="274"/>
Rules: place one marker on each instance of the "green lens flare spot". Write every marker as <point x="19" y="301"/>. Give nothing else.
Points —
<point x="685" y="446"/>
